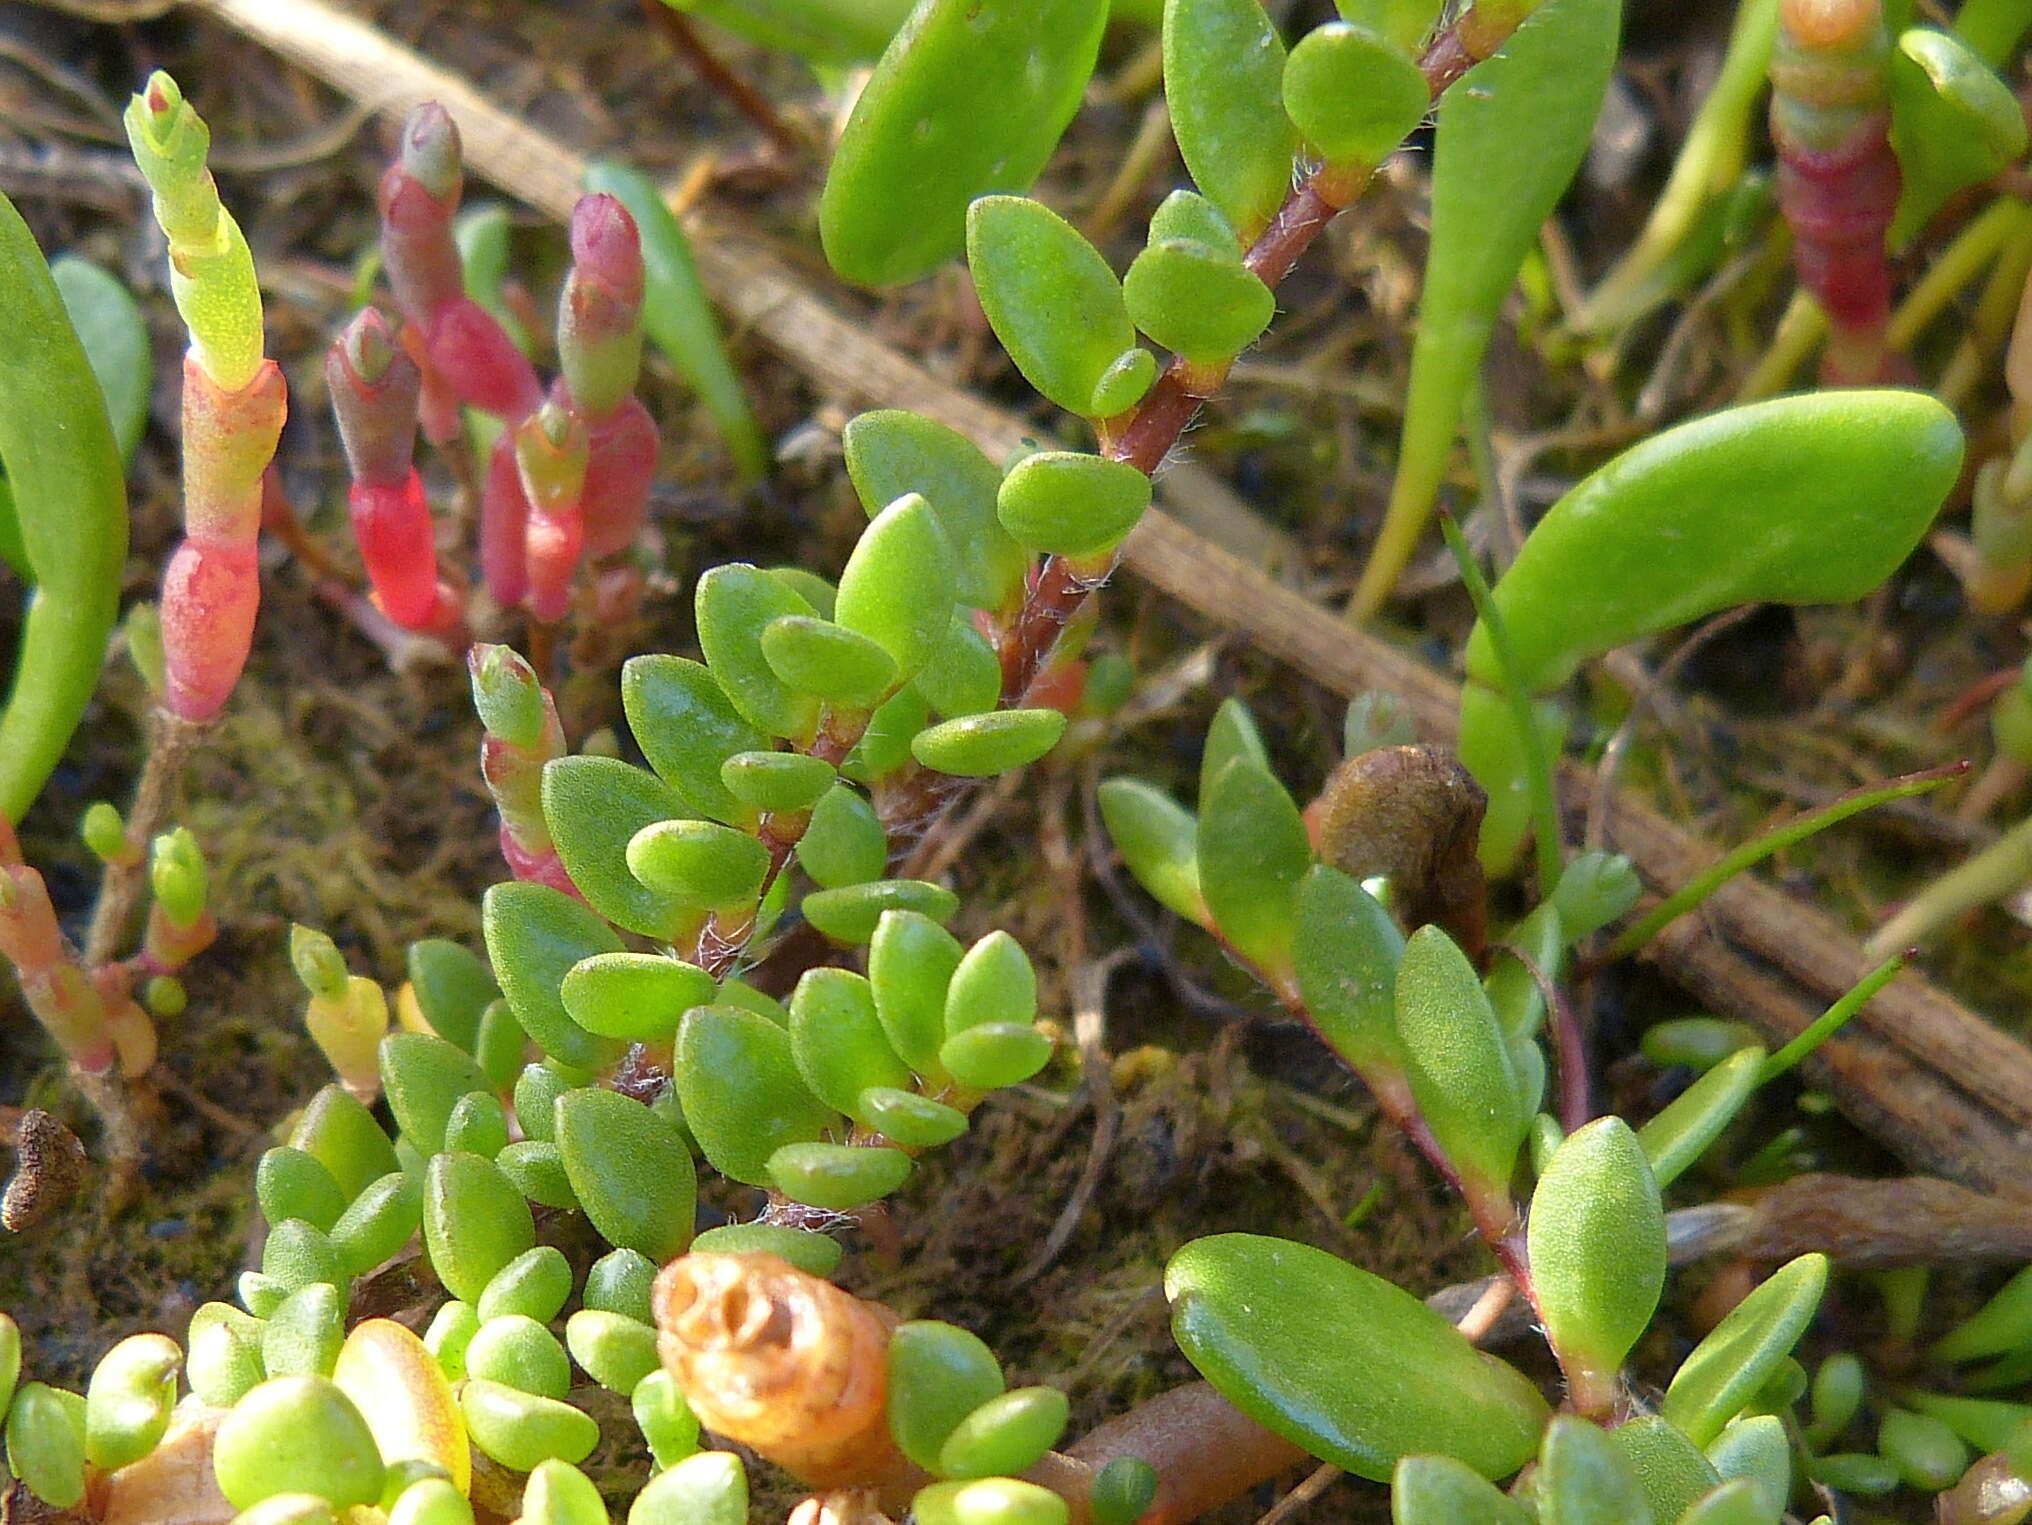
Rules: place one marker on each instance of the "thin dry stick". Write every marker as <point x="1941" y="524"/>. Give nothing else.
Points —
<point x="1939" y="1085"/>
<point x="1310" y="1487"/>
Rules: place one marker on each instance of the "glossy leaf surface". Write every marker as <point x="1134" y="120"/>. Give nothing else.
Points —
<point x="1355" y="1370"/>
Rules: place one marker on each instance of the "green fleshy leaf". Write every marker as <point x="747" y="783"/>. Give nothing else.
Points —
<point x="593" y="806"/>
<point x="995" y="1054"/>
<point x="474" y="1222"/>
<point x="743" y="1097"/>
<point x="852" y="913"/>
<point x="1725" y="1370"/>
<point x="520" y="1353"/>
<point x="734" y="604"/>
<point x="1458" y="1061"/>
<point x="535" y="934"/>
<point x="423" y="1078"/>
<point x="620" y="1281"/>
<point x="378" y="1222"/>
<point x="342" y="1135"/>
<point x="891" y="453"/>
<point x="615" y="1350"/>
<point x="686" y="727"/>
<point x="1187" y="214"/>
<point x="1246" y="1312"/>
<point x="225" y="1354"/>
<point x="292" y="1435"/>
<point x="1807" y="499"/>
<point x="911" y="959"/>
<point x="1680" y="1134"/>
<point x="1584" y="1479"/>
<point x="710" y="1488"/>
<point x="1597" y="1247"/>
<point x="1758" y="1450"/>
<point x="964" y="676"/>
<point x="1437" y="1490"/>
<point x="838" y="1042"/>
<point x="897" y="589"/>
<point x="1353" y="95"/>
<point x="1252" y="853"/>
<point x="1196" y="301"/>
<point x="1005" y="1436"/>
<point x="536" y="1166"/>
<point x="938" y="1374"/>
<point x="1345" y="958"/>
<point x="1050" y="297"/>
<point x="981" y="746"/>
<point x="844" y="842"/>
<point x="1158" y="839"/>
<point x="840" y="1178"/>
<point x="453" y="989"/>
<point x="838" y="665"/>
<point x="521" y="1430"/>
<point x="777" y="782"/>
<point x="1072" y="504"/>
<point x="301" y="1337"/>
<point x="115" y="338"/>
<point x="290" y="1183"/>
<point x="1953" y="123"/>
<point x="535" y="1284"/>
<point x="1223" y="80"/>
<point x="699" y="863"/>
<point x="970" y="97"/>
<point x="630" y="1171"/>
<point x="133" y="1389"/>
<point x="1670" y="1470"/>
<point x="917" y="1122"/>
<point x="478" y="1125"/>
<point x="636" y="996"/>
<point x="994" y="982"/>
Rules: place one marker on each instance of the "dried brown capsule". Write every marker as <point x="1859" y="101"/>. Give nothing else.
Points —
<point x="784" y="1363"/>
<point x="1412" y="814"/>
<point x="49" y="1167"/>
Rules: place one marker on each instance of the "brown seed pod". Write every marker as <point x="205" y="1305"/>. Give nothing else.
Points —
<point x="784" y="1363"/>
<point x="49" y="1166"/>
<point x="1414" y="815"/>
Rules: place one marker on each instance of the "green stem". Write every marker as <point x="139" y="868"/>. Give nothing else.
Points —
<point x="1709" y="163"/>
<point x="1991" y="874"/>
<point x="63" y="467"/>
<point x="1757" y="849"/>
<point x="1538" y="767"/>
<point x="1831" y="1021"/>
<point x="1800" y="332"/>
<point x="1974" y="250"/>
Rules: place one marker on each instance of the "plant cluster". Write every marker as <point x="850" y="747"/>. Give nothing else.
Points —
<point x="523" y="1132"/>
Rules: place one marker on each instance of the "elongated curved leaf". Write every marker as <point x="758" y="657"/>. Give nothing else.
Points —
<point x="969" y="98"/>
<point x="1341" y="1362"/>
<point x="1512" y="132"/>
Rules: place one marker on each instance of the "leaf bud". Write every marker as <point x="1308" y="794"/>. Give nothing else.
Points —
<point x="176" y="874"/>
